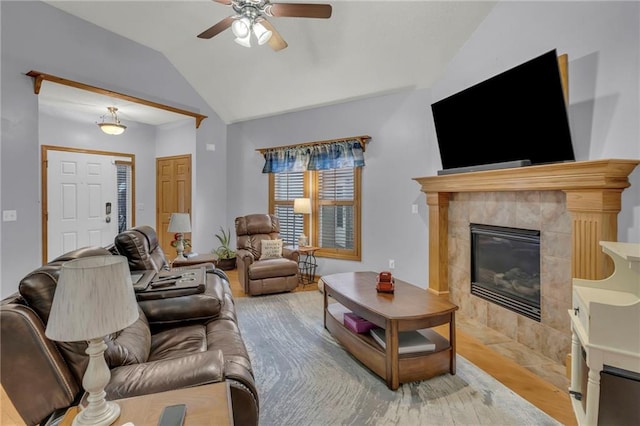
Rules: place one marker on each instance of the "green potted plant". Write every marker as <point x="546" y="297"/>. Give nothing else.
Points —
<point x="226" y="256"/>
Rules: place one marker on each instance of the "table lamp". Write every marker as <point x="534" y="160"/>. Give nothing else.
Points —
<point x="94" y="297"/>
<point x="179" y="224"/>
<point x="301" y="206"/>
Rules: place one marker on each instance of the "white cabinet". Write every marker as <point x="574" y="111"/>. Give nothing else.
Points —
<point x="605" y="323"/>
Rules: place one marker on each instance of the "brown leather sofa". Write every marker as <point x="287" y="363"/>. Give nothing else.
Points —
<point x="141" y="247"/>
<point x="268" y="275"/>
<point x="177" y="342"/>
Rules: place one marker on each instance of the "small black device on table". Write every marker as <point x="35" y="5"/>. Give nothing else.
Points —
<point x="173" y="415"/>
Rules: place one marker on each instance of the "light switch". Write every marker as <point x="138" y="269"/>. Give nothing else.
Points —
<point x="9" y="215"/>
<point x="414" y="208"/>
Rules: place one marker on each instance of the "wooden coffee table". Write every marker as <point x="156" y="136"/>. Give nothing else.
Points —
<point x="409" y="308"/>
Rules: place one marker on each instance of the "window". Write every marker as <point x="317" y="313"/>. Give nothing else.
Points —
<point x="335" y="200"/>
<point x="283" y="189"/>
<point x="123" y="171"/>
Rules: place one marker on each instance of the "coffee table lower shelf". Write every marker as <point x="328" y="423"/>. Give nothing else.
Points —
<point x="411" y="367"/>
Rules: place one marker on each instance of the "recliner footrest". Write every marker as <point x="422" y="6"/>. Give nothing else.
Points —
<point x="272" y="268"/>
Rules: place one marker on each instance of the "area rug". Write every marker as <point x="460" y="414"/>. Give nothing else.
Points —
<point x="304" y="377"/>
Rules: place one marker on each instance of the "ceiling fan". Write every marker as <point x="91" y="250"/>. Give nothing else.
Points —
<point x="250" y="17"/>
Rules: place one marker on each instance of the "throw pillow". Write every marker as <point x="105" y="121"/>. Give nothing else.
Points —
<point x="271" y="249"/>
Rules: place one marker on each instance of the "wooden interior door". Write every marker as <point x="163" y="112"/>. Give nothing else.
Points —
<point x="173" y="195"/>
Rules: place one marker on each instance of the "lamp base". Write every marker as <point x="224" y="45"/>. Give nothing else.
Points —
<point x="105" y="417"/>
<point x="180" y="248"/>
<point x="99" y="411"/>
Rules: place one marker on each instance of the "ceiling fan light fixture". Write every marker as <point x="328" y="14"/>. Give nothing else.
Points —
<point x="262" y="34"/>
<point x="249" y="17"/>
<point x="241" y="27"/>
<point x="244" y="41"/>
<point x="113" y="127"/>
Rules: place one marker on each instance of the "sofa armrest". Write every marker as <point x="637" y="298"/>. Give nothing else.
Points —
<point x="35" y="376"/>
<point x="165" y="308"/>
<point x="245" y="256"/>
<point x="168" y="374"/>
<point x="244" y="259"/>
<point x="291" y="254"/>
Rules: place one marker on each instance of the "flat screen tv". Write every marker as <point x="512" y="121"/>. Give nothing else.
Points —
<point x="518" y="116"/>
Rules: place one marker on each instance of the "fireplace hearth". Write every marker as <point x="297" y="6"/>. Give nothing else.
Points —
<point x="505" y="267"/>
<point x="574" y="205"/>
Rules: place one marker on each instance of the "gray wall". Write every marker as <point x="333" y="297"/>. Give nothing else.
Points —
<point x="398" y="151"/>
<point x="602" y="41"/>
<point x="36" y="36"/>
<point x="79" y="131"/>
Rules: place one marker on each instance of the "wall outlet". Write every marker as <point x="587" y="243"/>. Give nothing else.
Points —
<point x="414" y="208"/>
<point x="392" y="264"/>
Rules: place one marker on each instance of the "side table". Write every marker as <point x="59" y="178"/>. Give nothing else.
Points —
<point x="194" y="260"/>
<point x="307" y="265"/>
<point x="206" y="405"/>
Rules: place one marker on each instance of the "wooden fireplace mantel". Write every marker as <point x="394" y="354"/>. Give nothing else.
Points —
<point x="593" y="193"/>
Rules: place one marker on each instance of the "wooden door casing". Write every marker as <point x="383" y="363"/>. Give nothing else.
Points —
<point x="173" y="195"/>
<point x="45" y="151"/>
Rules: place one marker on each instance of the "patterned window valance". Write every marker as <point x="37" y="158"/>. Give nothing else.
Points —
<point x="322" y="155"/>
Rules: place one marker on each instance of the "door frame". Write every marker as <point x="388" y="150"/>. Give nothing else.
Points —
<point x="44" y="150"/>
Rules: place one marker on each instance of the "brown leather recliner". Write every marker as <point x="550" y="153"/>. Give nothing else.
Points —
<point x="43" y="377"/>
<point x="141" y="247"/>
<point x="262" y="276"/>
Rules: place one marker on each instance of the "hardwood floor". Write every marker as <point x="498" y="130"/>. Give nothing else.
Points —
<point x="8" y="414"/>
<point x="536" y="379"/>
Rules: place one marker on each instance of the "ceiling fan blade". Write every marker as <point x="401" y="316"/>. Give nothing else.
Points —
<point x="217" y="28"/>
<point x="301" y="10"/>
<point x="276" y="42"/>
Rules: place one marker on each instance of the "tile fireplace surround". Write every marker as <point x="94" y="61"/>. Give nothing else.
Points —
<point x="574" y="205"/>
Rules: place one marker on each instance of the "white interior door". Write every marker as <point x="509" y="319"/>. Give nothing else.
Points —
<point x="81" y="201"/>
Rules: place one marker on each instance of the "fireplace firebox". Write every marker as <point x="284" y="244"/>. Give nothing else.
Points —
<point x="505" y="267"/>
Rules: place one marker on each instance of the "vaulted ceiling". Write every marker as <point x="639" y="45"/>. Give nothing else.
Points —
<point x="365" y="49"/>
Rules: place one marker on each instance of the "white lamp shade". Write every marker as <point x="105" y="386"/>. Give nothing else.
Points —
<point x="246" y="41"/>
<point x="94" y="297"/>
<point x="112" y="128"/>
<point x="262" y="34"/>
<point x="302" y="205"/>
<point x="179" y="222"/>
<point x="241" y="27"/>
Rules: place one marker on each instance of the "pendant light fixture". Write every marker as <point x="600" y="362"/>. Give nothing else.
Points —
<point x="112" y="127"/>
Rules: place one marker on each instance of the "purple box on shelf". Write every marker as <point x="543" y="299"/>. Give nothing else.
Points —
<point x="357" y="324"/>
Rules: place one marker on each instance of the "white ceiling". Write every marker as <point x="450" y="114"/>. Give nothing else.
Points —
<point x="85" y="103"/>
<point x="366" y="48"/>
